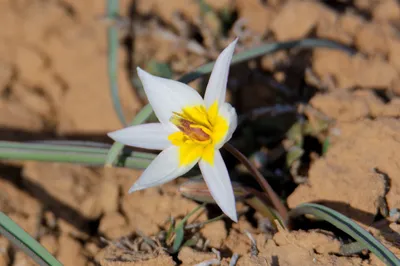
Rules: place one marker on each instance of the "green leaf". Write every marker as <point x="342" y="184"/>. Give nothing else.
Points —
<point x="293" y="154"/>
<point x="263" y="50"/>
<point x="190" y="242"/>
<point x="180" y="229"/>
<point x="295" y="133"/>
<point x="171" y="228"/>
<point x="348" y="226"/>
<point x="159" y="69"/>
<point x="326" y="145"/>
<point x="112" y="65"/>
<point x="69" y="154"/>
<point x="204" y="7"/>
<point x="25" y="242"/>
<point x="179" y="235"/>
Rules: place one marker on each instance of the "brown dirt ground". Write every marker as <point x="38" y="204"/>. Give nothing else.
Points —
<point x="53" y="83"/>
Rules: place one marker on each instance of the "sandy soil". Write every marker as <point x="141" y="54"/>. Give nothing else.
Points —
<point x="53" y="84"/>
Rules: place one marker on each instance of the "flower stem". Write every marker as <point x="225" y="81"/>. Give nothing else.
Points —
<point x="283" y="212"/>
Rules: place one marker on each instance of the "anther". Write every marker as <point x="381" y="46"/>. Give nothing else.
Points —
<point x="189" y="128"/>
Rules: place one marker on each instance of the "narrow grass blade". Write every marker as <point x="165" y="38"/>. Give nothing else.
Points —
<point x="117" y="147"/>
<point x="69" y="154"/>
<point x="351" y="248"/>
<point x="186" y="218"/>
<point x="171" y="228"/>
<point x="25" y="242"/>
<point x="50" y="147"/>
<point x="198" y="225"/>
<point x="112" y="42"/>
<point x="180" y="229"/>
<point x="179" y="236"/>
<point x="345" y="224"/>
<point x="326" y="145"/>
<point x="75" y="143"/>
<point x="267" y="49"/>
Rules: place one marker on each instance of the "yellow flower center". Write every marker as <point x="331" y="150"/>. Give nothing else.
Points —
<point x="200" y="130"/>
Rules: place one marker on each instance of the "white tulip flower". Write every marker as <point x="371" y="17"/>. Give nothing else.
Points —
<point x="191" y="130"/>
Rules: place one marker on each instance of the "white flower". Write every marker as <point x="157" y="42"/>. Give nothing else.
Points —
<point x="191" y="130"/>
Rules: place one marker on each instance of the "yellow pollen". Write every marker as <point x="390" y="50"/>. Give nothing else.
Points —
<point x="200" y="130"/>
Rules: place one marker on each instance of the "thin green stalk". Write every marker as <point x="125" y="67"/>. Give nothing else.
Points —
<point x="186" y="218"/>
<point x="198" y="225"/>
<point x="348" y="226"/>
<point x="180" y="229"/>
<point x="113" y="43"/>
<point x="266" y="49"/>
<point x="50" y="147"/>
<point x="25" y="242"/>
<point x="351" y="248"/>
<point x="68" y="154"/>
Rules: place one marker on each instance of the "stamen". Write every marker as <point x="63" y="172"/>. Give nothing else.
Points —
<point x="190" y="129"/>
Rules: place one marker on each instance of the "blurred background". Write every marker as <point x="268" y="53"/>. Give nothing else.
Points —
<point x="320" y="124"/>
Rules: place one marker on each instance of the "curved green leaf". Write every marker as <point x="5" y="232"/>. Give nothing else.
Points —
<point x="365" y="239"/>
<point x="179" y="236"/>
<point x="25" y="242"/>
<point x="266" y="49"/>
<point x="69" y="154"/>
<point x="180" y="229"/>
<point x="112" y="65"/>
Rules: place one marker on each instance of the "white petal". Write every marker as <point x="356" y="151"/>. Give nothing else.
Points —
<point x="229" y="113"/>
<point x="164" y="168"/>
<point x="147" y="136"/>
<point x="216" y="88"/>
<point x="219" y="184"/>
<point x="167" y="96"/>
